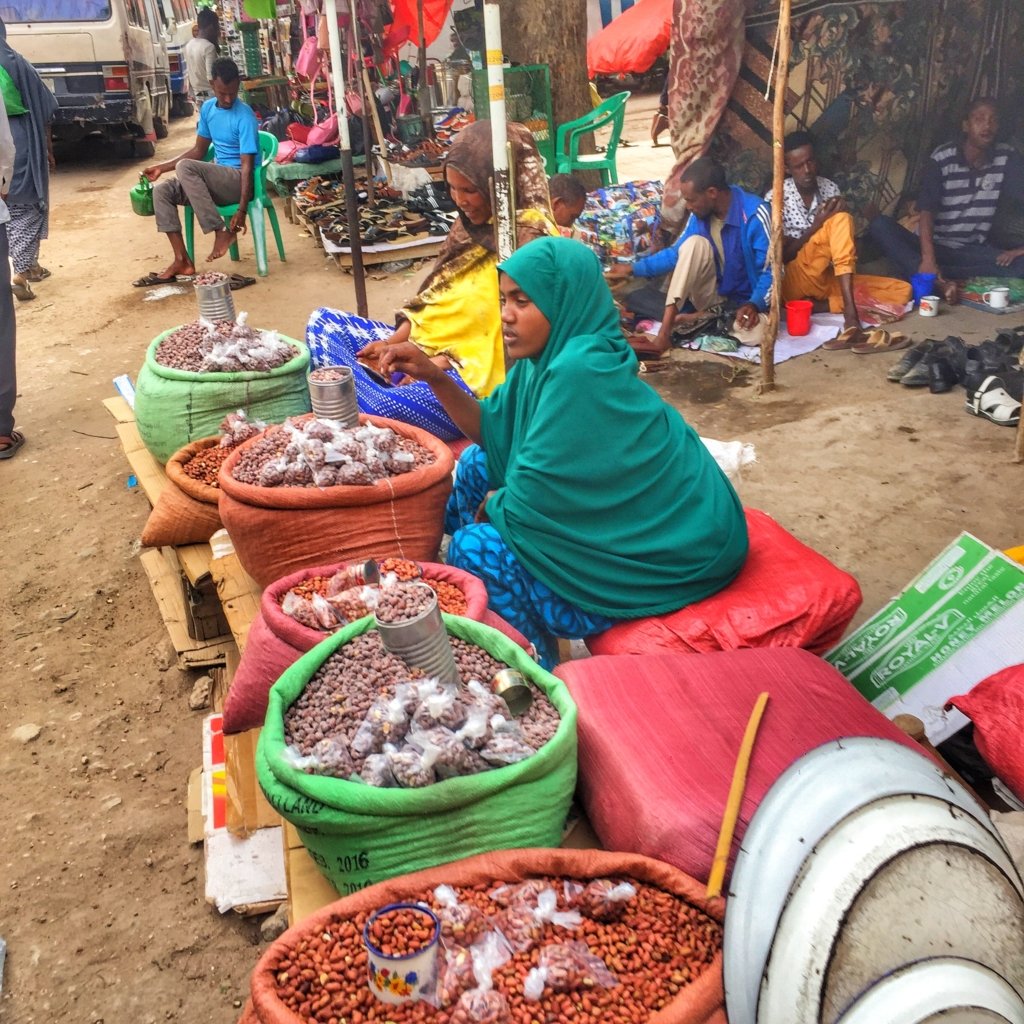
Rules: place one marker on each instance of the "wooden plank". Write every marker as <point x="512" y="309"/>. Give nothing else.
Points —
<point x="239" y="596"/>
<point x="166" y="587"/>
<point x="119" y="409"/>
<point x="194" y="560"/>
<point x="308" y="890"/>
<point x="412" y="252"/>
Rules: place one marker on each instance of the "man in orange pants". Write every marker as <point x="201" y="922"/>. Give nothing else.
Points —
<point x="818" y="247"/>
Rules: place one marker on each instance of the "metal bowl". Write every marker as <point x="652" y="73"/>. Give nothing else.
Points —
<point x="805" y="803"/>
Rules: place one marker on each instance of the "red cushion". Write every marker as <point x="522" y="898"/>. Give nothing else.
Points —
<point x="786" y="595"/>
<point x="996" y="707"/>
<point x="659" y="735"/>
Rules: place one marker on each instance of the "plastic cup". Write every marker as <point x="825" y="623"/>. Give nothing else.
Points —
<point x="922" y="285"/>
<point x="798" y="317"/>
<point x="402" y="979"/>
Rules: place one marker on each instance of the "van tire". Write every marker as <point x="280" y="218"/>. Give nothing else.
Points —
<point x="160" y="127"/>
<point x="143" y="148"/>
<point x="181" y="107"/>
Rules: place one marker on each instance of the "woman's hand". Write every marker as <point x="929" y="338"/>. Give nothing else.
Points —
<point x="1007" y="256"/>
<point x="481" y="512"/>
<point x="411" y="360"/>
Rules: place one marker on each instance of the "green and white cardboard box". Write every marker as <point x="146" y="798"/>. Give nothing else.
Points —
<point x="961" y="620"/>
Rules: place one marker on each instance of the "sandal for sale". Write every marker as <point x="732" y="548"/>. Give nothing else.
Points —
<point x="994" y="403"/>
<point x="881" y="341"/>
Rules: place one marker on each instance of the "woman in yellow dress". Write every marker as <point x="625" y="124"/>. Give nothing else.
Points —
<point x="454" y="317"/>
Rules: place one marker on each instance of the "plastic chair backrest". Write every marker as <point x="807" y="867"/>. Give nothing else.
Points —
<point x="613" y="110"/>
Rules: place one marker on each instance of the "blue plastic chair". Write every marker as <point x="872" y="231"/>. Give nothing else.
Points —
<point x="567" y="140"/>
<point x="259" y="204"/>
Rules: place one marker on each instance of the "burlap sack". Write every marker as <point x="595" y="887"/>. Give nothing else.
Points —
<point x="279" y="530"/>
<point x="186" y="511"/>
<point x="701" y="1002"/>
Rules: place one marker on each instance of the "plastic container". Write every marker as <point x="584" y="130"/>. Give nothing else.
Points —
<point x="215" y="301"/>
<point x="798" y="317"/>
<point x="422" y="642"/>
<point x="923" y="284"/>
<point x="142" y="197"/>
<point x="336" y="399"/>
<point x="402" y="979"/>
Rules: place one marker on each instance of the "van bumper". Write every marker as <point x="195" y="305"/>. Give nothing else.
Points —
<point x="94" y="110"/>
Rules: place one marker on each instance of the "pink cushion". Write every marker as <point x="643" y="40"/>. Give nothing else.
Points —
<point x="659" y="735"/>
<point x="786" y="595"/>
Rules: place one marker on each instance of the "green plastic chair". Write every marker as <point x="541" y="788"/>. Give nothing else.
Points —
<point x="259" y="204"/>
<point x="567" y="140"/>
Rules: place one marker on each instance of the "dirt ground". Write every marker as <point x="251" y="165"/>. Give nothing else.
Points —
<point x="102" y="898"/>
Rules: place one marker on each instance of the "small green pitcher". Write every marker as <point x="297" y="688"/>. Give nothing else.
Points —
<point x="142" y="197"/>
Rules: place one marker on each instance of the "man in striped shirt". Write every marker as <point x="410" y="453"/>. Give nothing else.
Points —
<point x="960" y="189"/>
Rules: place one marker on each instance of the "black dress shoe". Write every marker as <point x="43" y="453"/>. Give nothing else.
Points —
<point x="994" y="357"/>
<point x="942" y="375"/>
<point x="908" y="360"/>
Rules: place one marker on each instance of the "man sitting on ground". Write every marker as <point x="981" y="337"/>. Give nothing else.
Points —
<point x="818" y="248"/>
<point x="568" y="197"/>
<point x="231" y="126"/>
<point x="721" y="257"/>
<point x="961" y="188"/>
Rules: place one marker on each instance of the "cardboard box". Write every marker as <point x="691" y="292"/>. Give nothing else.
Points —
<point x="242" y="874"/>
<point x="959" y="621"/>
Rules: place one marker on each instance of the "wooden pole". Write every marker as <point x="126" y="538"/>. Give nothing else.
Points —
<point x="499" y="136"/>
<point x="778" y="176"/>
<point x="1018" y="454"/>
<point x="345" y="145"/>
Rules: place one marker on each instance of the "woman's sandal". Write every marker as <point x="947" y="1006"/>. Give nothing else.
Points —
<point x="22" y="292"/>
<point x="993" y="402"/>
<point x="881" y="341"/>
<point x="846" y="338"/>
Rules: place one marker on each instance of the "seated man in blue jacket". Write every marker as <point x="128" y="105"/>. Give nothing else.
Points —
<point x="721" y="256"/>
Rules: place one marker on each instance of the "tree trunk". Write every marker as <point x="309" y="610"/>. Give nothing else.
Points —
<point x="541" y="32"/>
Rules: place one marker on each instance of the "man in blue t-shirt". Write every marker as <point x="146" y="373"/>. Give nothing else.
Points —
<point x="231" y="126"/>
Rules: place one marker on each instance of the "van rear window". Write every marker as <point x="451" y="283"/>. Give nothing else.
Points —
<point x="54" y="10"/>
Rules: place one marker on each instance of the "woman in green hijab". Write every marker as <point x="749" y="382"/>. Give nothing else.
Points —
<point x="589" y="499"/>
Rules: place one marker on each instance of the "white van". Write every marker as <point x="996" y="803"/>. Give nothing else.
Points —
<point x="178" y="18"/>
<point x="105" y="60"/>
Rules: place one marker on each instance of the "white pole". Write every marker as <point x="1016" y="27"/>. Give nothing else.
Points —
<point x="503" y="211"/>
<point x="345" y="144"/>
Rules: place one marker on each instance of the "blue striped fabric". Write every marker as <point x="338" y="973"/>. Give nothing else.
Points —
<point x="335" y="337"/>
<point x="962" y="198"/>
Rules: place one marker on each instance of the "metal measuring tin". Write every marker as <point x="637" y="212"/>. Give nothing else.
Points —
<point x="511" y="686"/>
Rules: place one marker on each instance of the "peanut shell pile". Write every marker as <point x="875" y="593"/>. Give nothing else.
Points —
<point x="223" y="347"/>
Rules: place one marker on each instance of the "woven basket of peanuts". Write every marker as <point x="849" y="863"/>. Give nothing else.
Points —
<point x="525" y="937"/>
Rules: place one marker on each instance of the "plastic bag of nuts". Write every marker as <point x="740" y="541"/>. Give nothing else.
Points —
<point x="523" y="924"/>
<point x="567" y="967"/>
<point x="483" y="1005"/>
<point x="600" y="900"/>
<point x="461" y="923"/>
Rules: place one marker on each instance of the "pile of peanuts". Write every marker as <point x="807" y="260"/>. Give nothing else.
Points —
<point x="311" y="452"/>
<point x="402" y="602"/>
<point x="209" y="277"/>
<point x="198" y="349"/>
<point x="328" y="375"/>
<point x="340" y="694"/>
<point x="401" y="932"/>
<point x="659" y="946"/>
<point x="205" y="465"/>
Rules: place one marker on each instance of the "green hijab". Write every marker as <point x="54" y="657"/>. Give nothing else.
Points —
<point x="603" y="492"/>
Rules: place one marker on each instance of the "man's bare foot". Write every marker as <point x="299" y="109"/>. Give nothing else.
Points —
<point x="183" y="267"/>
<point x="223" y="241"/>
<point x="950" y="292"/>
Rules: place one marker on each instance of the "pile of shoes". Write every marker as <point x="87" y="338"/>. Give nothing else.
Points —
<point x="991" y="373"/>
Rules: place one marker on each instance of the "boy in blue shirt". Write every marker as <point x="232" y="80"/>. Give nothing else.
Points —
<point x="231" y="126"/>
<point x="721" y="256"/>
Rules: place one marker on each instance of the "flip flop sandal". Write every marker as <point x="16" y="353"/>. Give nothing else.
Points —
<point x="11" y="449"/>
<point x="22" y="292"/>
<point x="38" y="275"/>
<point x="236" y="281"/>
<point x="846" y="339"/>
<point x="993" y="402"/>
<point x="881" y="341"/>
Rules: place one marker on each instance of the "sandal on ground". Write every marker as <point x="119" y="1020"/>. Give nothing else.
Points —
<point x="9" y="448"/>
<point x="846" y="338"/>
<point x="993" y="402"/>
<point x="153" y="279"/>
<point x="236" y="281"/>
<point x="22" y="292"/>
<point x="881" y="341"/>
<point x="37" y="274"/>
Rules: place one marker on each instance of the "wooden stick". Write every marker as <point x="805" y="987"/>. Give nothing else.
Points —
<point x="374" y="114"/>
<point x="1018" y="452"/>
<point x="732" y="804"/>
<point x="778" y="176"/>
